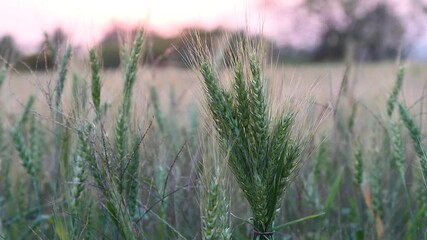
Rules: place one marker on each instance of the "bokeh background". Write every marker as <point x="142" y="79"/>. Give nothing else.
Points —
<point x="299" y="30"/>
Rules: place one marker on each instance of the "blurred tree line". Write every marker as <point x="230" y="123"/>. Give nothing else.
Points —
<point x="363" y="30"/>
<point x="357" y="29"/>
<point x="44" y="59"/>
<point x="9" y="52"/>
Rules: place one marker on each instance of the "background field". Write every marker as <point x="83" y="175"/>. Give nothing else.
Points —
<point x="370" y="82"/>
<point x="371" y="201"/>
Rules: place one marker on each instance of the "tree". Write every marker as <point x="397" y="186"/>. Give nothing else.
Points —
<point x="58" y="38"/>
<point x="54" y="43"/>
<point x="113" y="46"/>
<point x="9" y="52"/>
<point x="48" y="55"/>
<point x="368" y="30"/>
<point x="379" y="34"/>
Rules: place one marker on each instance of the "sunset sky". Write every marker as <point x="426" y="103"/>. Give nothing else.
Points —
<point x="86" y="20"/>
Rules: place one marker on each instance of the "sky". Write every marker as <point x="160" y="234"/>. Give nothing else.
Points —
<point x="85" y="21"/>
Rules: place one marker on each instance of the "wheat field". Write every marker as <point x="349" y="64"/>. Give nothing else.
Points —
<point x="148" y="152"/>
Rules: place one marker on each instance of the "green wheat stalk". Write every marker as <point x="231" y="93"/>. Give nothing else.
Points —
<point x="36" y="144"/>
<point x="79" y="176"/>
<point x="79" y="96"/>
<point x="415" y="134"/>
<point x="96" y="80"/>
<point x="78" y="182"/>
<point x="3" y="71"/>
<point x="214" y="200"/>
<point x="122" y="125"/>
<point x="215" y="211"/>
<point x="160" y="119"/>
<point x="391" y="101"/>
<point x="19" y="141"/>
<point x="60" y="83"/>
<point x="85" y="149"/>
<point x="377" y="199"/>
<point x="2" y="232"/>
<point x="398" y="150"/>
<point x="263" y="152"/>
<point x="62" y="76"/>
<point x="5" y="158"/>
<point x="131" y="177"/>
<point x="399" y="160"/>
<point x="24" y="151"/>
<point x="4" y="167"/>
<point x="358" y="167"/>
<point x="117" y="180"/>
